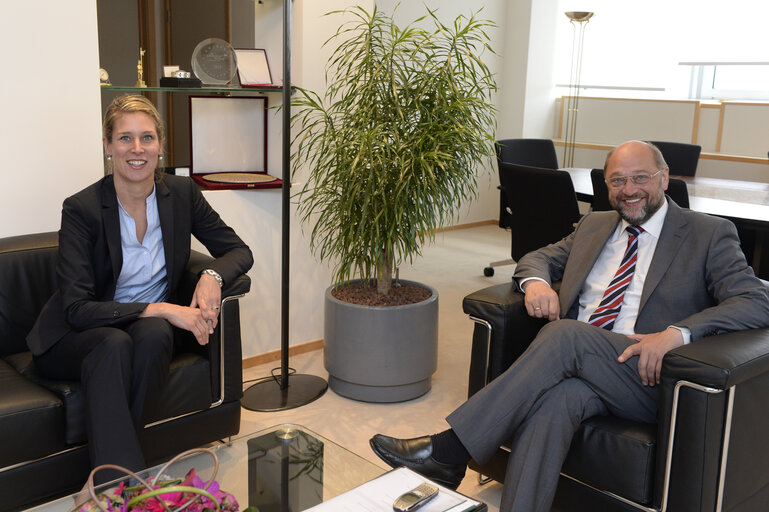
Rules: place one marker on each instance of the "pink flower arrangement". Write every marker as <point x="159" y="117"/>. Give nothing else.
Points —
<point x="190" y="493"/>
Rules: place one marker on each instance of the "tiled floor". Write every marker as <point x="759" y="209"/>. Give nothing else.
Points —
<point x="454" y="266"/>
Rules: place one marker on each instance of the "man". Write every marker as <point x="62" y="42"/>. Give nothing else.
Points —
<point x="636" y="283"/>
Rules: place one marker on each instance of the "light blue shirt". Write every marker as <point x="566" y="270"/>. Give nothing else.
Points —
<point x="143" y="276"/>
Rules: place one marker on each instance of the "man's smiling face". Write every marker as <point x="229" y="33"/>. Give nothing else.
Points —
<point x="635" y="203"/>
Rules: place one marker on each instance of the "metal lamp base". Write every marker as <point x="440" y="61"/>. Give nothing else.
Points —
<point x="267" y="395"/>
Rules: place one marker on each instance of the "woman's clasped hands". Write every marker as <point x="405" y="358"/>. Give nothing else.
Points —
<point x="200" y="317"/>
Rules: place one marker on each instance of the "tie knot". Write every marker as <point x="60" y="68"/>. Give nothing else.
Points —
<point x="634" y="230"/>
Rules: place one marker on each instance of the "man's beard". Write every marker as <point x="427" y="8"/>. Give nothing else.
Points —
<point x="645" y="214"/>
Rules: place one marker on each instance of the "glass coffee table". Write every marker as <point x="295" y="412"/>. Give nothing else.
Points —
<point x="285" y="467"/>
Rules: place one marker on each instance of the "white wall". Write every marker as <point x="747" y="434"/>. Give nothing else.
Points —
<point x="50" y="137"/>
<point x="539" y="89"/>
<point x="526" y="69"/>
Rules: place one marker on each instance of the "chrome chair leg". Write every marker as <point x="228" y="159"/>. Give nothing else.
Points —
<point x="483" y="479"/>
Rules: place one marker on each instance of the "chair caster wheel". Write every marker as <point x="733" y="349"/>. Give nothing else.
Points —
<point x="488" y="271"/>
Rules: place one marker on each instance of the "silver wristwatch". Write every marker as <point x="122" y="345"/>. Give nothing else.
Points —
<point x="214" y="274"/>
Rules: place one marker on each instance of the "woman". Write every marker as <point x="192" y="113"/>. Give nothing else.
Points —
<point x="123" y="245"/>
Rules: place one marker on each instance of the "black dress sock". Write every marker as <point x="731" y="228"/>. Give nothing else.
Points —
<point x="448" y="449"/>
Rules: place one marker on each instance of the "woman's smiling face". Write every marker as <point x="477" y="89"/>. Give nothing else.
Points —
<point x="134" y="148"/>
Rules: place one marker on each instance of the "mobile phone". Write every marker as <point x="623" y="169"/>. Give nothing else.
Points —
<point x="415" y="498"/>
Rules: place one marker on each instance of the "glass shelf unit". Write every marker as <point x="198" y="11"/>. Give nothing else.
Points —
<point x="210" y="91"/>
<point x="119" y="88"/>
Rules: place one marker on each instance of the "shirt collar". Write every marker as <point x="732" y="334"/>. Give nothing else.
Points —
<point x="149" y="200"/>
<point x="151" y="197"/>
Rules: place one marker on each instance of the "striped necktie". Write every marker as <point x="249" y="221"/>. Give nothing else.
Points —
<point x="608" y="309"/>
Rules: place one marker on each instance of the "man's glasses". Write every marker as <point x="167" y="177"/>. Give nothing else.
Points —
<point x="637" y="179"/>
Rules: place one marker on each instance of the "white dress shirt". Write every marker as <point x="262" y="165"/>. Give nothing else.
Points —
<point x="606" y="266"/>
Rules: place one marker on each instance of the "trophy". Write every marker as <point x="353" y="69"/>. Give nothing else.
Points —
<point x="104" y="78"/>
<point x="140" y="70"/>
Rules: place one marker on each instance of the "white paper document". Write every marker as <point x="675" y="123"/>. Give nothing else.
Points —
<point x="378" y="495"/>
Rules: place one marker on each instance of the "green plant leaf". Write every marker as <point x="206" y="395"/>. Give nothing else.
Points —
<point x="393" y="146"/>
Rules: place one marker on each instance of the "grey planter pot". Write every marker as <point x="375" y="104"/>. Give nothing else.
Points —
<point x="380" y="353"/>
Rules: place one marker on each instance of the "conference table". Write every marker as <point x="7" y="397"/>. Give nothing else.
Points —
<point x="745" y="203"/>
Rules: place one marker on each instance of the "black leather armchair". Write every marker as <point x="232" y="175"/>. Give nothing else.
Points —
<point x="43" y="450"/>
<point x="709" y="450"/>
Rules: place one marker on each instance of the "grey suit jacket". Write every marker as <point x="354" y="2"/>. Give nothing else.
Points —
<point x="90" y="255"/>
<point x="698" y="277"/>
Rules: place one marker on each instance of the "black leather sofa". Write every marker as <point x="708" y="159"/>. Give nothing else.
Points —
<point x="43" y="450"/>
<point x="714" y="405"/>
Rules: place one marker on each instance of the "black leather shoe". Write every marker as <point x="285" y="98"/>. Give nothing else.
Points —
<point x="417" y="454"/>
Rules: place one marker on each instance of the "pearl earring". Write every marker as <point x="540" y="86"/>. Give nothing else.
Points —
<point x="160" y="157"/>
<point x="109" y="157"/>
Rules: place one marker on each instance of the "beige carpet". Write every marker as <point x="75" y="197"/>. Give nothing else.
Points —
<point x="454" y="266"/>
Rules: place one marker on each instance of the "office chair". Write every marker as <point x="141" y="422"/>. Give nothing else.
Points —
<point x="532" y="152"/>
<point x="544" y="208"/>
<point x="676" y="190"/>
<point x="681" y="158"/>
<point x="600" y="192"/>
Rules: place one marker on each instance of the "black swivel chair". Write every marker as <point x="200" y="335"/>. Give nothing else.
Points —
<point x="544" y="208"/>
<point x="531" y="152"/>
<point x="681" y="158"/>
<point x="600" y="192"/>
<point x="676" y="190"/>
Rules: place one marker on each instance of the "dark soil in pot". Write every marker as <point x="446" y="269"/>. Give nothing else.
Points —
<point x="366" y="295"/>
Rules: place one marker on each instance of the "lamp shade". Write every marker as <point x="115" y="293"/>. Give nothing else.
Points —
<point x="579" y="16"/>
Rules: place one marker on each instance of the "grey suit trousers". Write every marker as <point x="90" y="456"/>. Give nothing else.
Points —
<point x="568" y="374"/>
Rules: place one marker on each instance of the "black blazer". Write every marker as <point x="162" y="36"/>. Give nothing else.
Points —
<point x="91" y="256"/>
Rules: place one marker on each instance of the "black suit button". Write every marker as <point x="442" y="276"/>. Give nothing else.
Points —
<point x="115" y="313"/>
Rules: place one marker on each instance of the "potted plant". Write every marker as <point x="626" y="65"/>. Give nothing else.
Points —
<point x="392" y="150"/>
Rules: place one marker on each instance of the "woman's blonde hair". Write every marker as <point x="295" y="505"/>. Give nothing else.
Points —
<point x="129" y="103"/>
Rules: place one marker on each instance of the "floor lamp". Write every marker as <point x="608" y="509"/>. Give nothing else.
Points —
<point x="284" y="391"/>
<point x="579" y="20"/>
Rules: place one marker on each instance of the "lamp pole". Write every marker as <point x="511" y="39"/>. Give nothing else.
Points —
<point x="286" y="390"/>
<point x="578" y="19"/>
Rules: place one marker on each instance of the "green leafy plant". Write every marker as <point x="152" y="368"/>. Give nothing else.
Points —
<point x="394" y="144"/>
